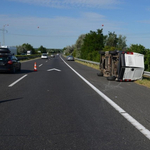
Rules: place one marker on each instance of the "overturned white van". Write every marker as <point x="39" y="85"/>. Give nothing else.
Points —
<point x="121" y="65"/>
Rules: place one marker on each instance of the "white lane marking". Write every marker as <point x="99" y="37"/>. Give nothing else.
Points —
<point x="134" y="122"/>
<point x="17" y="81"/>
<point x="53" y="69"/>
<point x="40" y="65"/>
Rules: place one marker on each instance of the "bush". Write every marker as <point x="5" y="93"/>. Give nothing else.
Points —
<point x="26" y="57"/>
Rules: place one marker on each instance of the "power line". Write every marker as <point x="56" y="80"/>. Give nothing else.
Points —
<point x="3" y="31"/>
<point x="43" y="35"/>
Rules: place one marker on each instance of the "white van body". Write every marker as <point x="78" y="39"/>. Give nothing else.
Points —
<point x="134" y="66"/>
<point x="121" y="65"/>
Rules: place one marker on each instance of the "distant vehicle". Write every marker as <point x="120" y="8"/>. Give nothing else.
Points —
<point x="70" y="58"/>
<point x="8" y="62"/>
<point x="12" y="49"/>
<point x="52" y="55"/>
<point x="44" y="56"/>
<point x="29" y="52"/>
<point x="23" y="54"/>
<point x="121" y="65"/>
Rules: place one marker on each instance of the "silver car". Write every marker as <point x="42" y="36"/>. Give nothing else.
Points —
<point x="44" y="56"/>
<point x="70" y="58"/>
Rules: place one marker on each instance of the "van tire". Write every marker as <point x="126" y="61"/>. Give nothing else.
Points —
<point x="100" y="74"/>
<point x="112" y="52"/>
<point x="111" y="78"/>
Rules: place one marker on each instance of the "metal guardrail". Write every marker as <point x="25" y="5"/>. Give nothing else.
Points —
<point x="88" y="61"/>
<point x="146" y="73"/>
<point x="97" y="63"/>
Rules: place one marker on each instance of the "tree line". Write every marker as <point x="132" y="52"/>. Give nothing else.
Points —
<point x="22" y="49"/>
<point x="89" y="45"/>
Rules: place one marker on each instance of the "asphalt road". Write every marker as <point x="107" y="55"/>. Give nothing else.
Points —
<point x="54" y="109"/>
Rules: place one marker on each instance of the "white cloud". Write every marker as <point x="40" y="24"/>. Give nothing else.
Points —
<point x="59" y="24"/>
<point x="66" y="29"/>
<point x="72" y="3"/>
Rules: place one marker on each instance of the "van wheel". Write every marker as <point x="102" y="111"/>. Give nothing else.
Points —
<point x="100" y="74"/>
<point x="112" y="52"/>
<point x="111" y="78"/>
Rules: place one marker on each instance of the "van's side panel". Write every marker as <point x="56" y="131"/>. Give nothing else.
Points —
<point x="134" y="66"/>
<point x="134" y="60"/>
<point x="133" y="73"/>
<point x="138" y="73"/>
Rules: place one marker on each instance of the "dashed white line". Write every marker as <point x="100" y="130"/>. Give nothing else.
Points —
<point x="17" y="81"/>
<point x="133" y="121"/>
<point x="40" y="65"/>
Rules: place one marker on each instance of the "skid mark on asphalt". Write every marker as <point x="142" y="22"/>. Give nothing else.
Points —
<point x="109" y="87"/>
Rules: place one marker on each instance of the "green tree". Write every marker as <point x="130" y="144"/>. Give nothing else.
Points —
<point x="28" y="47"/>
<point x="93" y="41"/>
<point x="21" y="49"/>
<point x="121" y="42"/>
<point x="42" y="49"/>
<point x="109" y="48"/>
<point x="111" y="40"/>
<point x="78" y="45"/>
<point x="68" y="50"/>
<point x="137" y="48"/>
<point x="147" y="60"/>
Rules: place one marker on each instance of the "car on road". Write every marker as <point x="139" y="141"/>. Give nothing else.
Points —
<point x="70" y="58"/>
<point x="8" y="61"/>
<point x="52" y="55"/>
<point x="44" y="56"/>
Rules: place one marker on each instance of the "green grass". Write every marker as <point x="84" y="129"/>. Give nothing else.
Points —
<point x="88" y="64"/>
<point x="145" y="81"/>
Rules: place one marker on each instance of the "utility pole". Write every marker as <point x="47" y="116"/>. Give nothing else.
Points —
<point x="4" y="30"/>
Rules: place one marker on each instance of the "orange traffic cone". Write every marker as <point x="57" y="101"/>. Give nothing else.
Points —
<point x="35" y="69"/>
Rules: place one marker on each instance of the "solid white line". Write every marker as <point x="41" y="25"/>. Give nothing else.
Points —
<point x="17" y="81"/>
<point x="134" y="122"/>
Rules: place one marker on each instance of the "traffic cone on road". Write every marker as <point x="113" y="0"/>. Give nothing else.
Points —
<point x="35" y="69"/>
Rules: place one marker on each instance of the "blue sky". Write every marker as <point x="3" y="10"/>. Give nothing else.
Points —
<point x="59" y="23"/>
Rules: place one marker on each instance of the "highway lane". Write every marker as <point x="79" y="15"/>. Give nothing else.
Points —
<point x="57" y="110"/>
<point x="133" y="98"/>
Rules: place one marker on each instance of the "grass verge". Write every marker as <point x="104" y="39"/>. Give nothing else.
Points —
<point x="145" y="81"/>
<point x="88" y="64"/>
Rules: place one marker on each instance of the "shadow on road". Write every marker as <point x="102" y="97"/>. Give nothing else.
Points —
<point x="25" y="71"/>
<point x="4" y="101"/>
<point x="18" y="72"/>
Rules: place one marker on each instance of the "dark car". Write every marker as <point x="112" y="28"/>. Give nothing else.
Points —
<point x="8" y="62"/>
